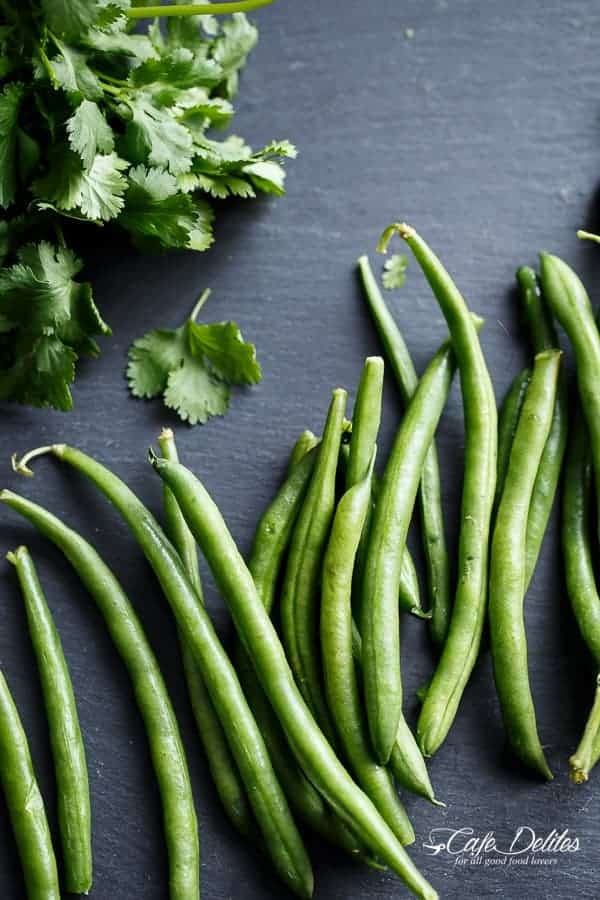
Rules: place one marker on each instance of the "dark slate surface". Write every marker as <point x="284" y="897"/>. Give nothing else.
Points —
<point x="483" y="130"/>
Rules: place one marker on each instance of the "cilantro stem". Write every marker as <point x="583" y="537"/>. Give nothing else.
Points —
<point x="201" y="301"/>
<point x="200" y="9"/>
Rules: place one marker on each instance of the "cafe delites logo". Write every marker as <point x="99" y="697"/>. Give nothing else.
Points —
<point x="525" y="847"/>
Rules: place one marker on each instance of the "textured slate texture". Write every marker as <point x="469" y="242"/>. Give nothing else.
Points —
<point x="482" y="130"/>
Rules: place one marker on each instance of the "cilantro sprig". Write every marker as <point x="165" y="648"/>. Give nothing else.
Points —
<point x="192" y="366"/>
<point x="104" y="125"/>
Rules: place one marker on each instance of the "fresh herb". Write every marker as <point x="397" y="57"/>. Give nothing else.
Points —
<point x="193" y="366"/>
<point x="100" y="124"/>
<point x="394" y="271"/>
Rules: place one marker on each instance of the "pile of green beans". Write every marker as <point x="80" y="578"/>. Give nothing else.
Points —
<point x="302" y="722"/>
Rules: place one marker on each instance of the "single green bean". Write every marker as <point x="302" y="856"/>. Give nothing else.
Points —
<point x="254" y="626"/>
<point x="25" y="804"/>
<point x="462" y="644"/>
<point x="168" y="757"/>
<point x="576" y="538"/>
<point x="300" y="595"/>
<point x="68" y="751"/>
<point x="305" y="443"/>
<point x="220" y="760"/>
<point x="581" y="579"/>
<point x="269" y="805"/>
<point x="406" y="761"/>
<point x="570" y="303"/>
<point x="543" y="337"/>
<point x="508" y="565"/>
<point x="430" y="496"/>
<point x="409" y="595"/>
<point x="508" y="419"/>
<point x="380" y="626"/>
<point x="586" y="755"/>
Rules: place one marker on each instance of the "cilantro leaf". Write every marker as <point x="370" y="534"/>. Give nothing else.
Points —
<point x="157" y="214"/>
<point x="192" y="366"/>
<point x="69" y="17"/>
<point x="230" y="357"/>
<point x="97" y="191"/>
<point x="238" y="37"/>
<point x="394" y="271"/>
<point x="154" y="136"/>
<point x="89" y="132"/>
<point x="10" y="102"/>
<point x="48" y="318"/>
<point x="71" y="72"/>
<point x="266" y="175"/>
<point x="195" y="394"/>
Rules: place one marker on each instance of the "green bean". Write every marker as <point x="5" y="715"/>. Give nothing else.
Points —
<point x="168" y="757"/>
<point x="312" y="750"/>
<point x="300" y="595"/>
<point x="508" y="420"/>
<point x="508" y="565"/>
<point x="221" y="764"/>
<point x="466" y="625"/>
<point x="269" y="805"/>
<point x="576" y="538"/>
<point x="581" y="579"/>
<point x="387" y="539"/>
<point x="586" y="755"/>
<point x="543" y="337"/>
<point x="341" y="683"/>
<point x="409" y="595"/>
<point x="72" y="788"/>
<point x="406" y="761"/>
<point x="305" y="443"/>
<point x="430" y="497"/>
<point x="25" y="805"/>
<point x="570" y="304"/>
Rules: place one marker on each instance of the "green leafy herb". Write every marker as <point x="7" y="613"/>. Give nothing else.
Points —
<point x="394" y="271"/>
<point x="104" y="126"/>
<point x="193" y="367"/>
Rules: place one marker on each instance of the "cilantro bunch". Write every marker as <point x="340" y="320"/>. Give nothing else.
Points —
<point x="100" y="124"/>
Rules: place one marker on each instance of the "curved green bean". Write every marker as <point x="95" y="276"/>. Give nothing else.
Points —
<point x="300" y="594"/>
<point x="25" y="804"/>
<point x="269" y="805"/>
<point x="221" y="764"/>
<point x="380" y="622"/>
<point x="254" y="626"/>
<point x="430" y="495"/>
<point x="508" y="565"/>
<point x="168" y="757"/>
<point x="406" y="761"/>
<point x="466" y="624"/>
<point x="570" y="303"/>
<point x="72" y="788"/>
<point x="508" y="419"/>
<point x="543" y="337"/>
<point x="581" y="579"/>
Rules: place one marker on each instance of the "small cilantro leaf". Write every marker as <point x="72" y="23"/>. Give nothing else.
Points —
<point x="192" y="366"/>
<point x="230" y="49"/>
<point x="157" y="214"/>
<point x="394" y="271"/>
<point x="195" y="394"/>
<point x="89" y="132"/>
<point x="71" y="73"/>
<point x="97" y="191"/>
<point x="230" y="357"/>
<point x="267" y="176"/>
<point x="10" y="102"/>
<point x="154" y="136"/>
